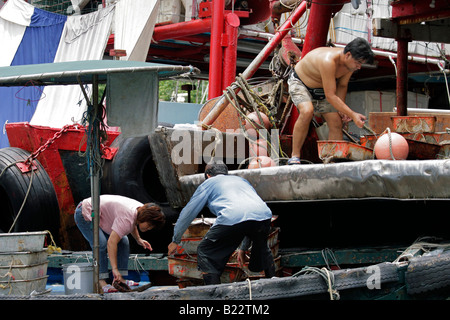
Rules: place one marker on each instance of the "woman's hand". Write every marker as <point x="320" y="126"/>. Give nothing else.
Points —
<point x="117" y="276"/>
<point x="145" y="244"/>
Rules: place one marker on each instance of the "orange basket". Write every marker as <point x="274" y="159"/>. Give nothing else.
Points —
<point x="413" y="124"/>
<point x="332" y="150"/>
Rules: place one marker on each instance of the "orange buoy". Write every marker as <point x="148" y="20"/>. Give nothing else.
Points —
<point x="251" y="128"/>
<point x="258" y="148"/>
<point x="394" y="142"/>
<point x="261" y="162"/>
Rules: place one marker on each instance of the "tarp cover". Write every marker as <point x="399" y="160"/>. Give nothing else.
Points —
<point x="133" y="27"/>
<point x="384" y="179"/>
<point x="143" y="104"/>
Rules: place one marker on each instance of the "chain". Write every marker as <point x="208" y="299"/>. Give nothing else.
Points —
<point x="35" y="154"/>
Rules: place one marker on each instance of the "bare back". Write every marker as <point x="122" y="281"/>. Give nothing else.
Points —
<point x="310" y="66"/>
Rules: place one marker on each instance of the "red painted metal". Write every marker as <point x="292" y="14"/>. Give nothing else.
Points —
<point x="117" y="53"/>
<point x="415" y="11"/>
<point x="24" y="168"/>
<point x="216" y="50"/>
<point x="182" y="29"/>
<point x="185" y="267"/>
<point x="332" y="150"/>
<point x="319" y="22"/>
<point x="289" y="51"/>
<point x="260" y="11"/>
<point x="204" y="9"/>
<point x="316" y="34"/>
<point x="230" y="40"/>
<point x="419" y="150"/>
<point x="414" y="124"/>
<point x="179" y="53"/>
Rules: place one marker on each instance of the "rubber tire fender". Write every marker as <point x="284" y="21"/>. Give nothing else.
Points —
<point x="428" y="273"/>
<point x="41" y="209"/>
<point x="132" y="172"/>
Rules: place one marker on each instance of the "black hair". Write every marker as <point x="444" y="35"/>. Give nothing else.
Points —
<point x="360" y="50"/>
<point x="151" y="213"/>
<point x="215" y="168"/>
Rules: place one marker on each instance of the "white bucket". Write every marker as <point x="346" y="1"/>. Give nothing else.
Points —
<point x="78" y="278"/>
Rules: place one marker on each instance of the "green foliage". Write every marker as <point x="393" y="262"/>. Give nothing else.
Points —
<point x="167" y="89"/>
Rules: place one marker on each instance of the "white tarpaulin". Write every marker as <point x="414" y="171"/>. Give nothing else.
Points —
<point x="84" y="38"/>
<point x="133" y="27"/>
<point x="16" y="17"/>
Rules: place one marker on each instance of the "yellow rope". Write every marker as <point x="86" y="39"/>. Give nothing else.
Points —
<point x="53" y="247"/>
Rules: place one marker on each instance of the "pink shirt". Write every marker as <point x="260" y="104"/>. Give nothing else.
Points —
<point x="117" y="213"/>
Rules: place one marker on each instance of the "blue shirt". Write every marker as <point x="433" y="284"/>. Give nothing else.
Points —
<point x="231" y="198"/>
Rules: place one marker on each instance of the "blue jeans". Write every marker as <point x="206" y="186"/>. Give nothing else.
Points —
<point x="123" y="247"/>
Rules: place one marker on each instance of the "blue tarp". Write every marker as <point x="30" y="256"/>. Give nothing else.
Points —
<point x="39" y="45"/>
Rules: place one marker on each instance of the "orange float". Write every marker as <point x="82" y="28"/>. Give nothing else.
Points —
<point x="251" y="128"/>
<point x="258" y="148"/>
<point x="391" y="141"/>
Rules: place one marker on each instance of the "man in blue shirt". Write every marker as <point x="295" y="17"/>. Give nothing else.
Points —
<point x="240" y="213"/>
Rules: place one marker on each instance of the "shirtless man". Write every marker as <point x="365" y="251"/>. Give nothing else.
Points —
<point x="319" y="84"/>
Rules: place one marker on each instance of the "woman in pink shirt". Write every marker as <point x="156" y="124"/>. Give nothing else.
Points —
<point x="119" y="216"/>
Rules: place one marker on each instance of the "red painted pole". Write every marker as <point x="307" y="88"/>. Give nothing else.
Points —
<point x="216" y="50"/>
<point x="229" y="42"/>
<point x="182" y="29"/>
<point x="257" y="62"/>
<point x="318" y="25"/>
